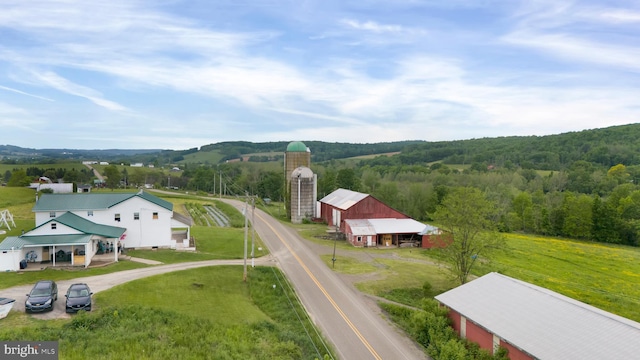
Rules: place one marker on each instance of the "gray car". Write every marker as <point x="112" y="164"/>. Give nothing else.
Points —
<point x="78" y="298"/>
<point x="42" y="296"/>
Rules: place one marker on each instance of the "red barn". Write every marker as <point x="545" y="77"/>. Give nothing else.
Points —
<point x="366" y="221"/>
<point x="536" y="323"/>
<point x="344" y="204"/>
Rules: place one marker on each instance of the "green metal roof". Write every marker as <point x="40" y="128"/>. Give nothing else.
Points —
<point x="296" y="146"/>
<point x="19" y="242"/>
<point x="88" y="227"/>
<point x="92" y="201"/>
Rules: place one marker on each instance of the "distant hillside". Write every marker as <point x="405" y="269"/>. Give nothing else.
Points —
<point x="606" y="147"/>
<point x="18" y="153"/>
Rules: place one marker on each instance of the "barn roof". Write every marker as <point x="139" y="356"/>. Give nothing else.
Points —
<point x="343" y="198"/>
<point x="543" y="323"/>
<point x="92" y="201"/>
<point x="385" y="226"/>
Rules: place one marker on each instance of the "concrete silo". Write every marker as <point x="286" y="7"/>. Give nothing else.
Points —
<point x="296" y="155"/>
<point x="303" y="194"/>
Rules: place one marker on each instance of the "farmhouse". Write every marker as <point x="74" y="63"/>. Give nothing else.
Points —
<point x="536" y="323"/>
<point x="71" y="228"/>
<point x="366" y="221"/>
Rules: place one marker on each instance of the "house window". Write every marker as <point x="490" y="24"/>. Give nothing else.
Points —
<point x="52" y="214"/>
<point x="117" y="217"/>
<point x="155" y="215"/>
<point x="136" y="216"/>
<point x="90" y="213"/>
<point x="53" y="226"/>
<point x="359" y="238"/>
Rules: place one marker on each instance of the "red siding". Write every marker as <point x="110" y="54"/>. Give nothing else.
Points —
<point x="367" y="208"/>
<point x="515" y="353"/>
<point x="455" y="321"/>
<point x="436" y="241"/>
<point x="480" y="336"/>
<point x="484" y="338"/>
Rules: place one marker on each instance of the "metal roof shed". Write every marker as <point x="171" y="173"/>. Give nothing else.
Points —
<point x="543" y="323"/>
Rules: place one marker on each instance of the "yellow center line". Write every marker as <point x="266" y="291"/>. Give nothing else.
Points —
<point x="324" y="291"/>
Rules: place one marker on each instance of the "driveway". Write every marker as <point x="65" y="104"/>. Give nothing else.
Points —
<point x="99" y="283"/>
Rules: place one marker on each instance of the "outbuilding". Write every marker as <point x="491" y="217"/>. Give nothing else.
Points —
<point x="536" y="323"/>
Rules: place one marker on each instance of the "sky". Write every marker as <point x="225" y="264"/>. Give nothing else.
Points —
<point x="163" y="74"/>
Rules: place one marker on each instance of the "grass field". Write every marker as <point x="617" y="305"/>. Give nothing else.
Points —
<point x="67" y="165"/>
<point x="205" y="313"/>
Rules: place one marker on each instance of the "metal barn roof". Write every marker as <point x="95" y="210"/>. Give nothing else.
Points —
<point x="343" y="198"/>
<point x="92" y="201"/>
<point x="543" y="323"/>
<point x="385" y="226"/>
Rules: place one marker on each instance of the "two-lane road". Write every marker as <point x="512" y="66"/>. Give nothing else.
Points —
<point x="346" y="318"/>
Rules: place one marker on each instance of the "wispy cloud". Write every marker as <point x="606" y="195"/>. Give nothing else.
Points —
<point x="24" y="93"/>
<point x="59" y="83"/>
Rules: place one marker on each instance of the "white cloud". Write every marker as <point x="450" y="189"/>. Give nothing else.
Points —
<point x="24" y="93"/>
<point x="59" y="83"/>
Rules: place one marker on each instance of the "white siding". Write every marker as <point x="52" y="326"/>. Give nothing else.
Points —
<point x="10" y="261"/>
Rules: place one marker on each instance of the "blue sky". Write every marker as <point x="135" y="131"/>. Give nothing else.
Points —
<point x="181" y="74"/>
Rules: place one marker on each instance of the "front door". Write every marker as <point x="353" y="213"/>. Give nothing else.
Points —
<point x="45" y="253"/>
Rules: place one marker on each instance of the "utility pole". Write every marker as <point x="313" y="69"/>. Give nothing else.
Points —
<point x="253" y="229"/>
<point x="244" y="274"/>
<point x="335" y="240"/>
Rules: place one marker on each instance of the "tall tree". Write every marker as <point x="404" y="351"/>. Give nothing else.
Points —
<point x="467" y="218"/>
<point x="113" y="176"/>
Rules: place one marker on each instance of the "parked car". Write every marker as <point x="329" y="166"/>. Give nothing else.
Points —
<point x="42" y="296"/>
<point x="78" y="298"/>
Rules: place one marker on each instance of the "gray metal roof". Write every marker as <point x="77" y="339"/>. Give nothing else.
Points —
<point x="543" y="323"/>
<point x="19" y="242"/>
<point x="92" y="201"/>
<point x="385" y="226"/>
<point x="343" y="199"/>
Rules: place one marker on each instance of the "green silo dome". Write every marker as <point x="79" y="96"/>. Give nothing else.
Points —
<point x="297" y="146"/>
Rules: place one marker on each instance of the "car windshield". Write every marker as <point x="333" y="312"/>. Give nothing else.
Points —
<point x="39" y="292"/>
<point x="79" y="292"/>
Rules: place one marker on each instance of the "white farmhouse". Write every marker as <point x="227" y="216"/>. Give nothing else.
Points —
<point x="72" y="227"/>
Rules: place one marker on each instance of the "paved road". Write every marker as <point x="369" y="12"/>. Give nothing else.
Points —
<point x="350" y="321"/>
<point x="99" y="283"/>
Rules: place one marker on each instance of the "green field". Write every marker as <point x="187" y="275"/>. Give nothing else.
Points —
<point x="204" y="313"/>
<point x="605" y="276"/>
<point x="66" y="165"/>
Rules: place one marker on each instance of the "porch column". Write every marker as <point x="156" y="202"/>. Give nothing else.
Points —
<point x="115" y="249"/>
<point x="72" y="255"/>
<point x="54" y="255"/>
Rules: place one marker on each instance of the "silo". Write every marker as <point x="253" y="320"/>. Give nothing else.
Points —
<point x="302" y="194"/>
<point x="296" y="155"/>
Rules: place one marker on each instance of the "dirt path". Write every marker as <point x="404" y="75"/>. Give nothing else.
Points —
<point x="99" y="283"/>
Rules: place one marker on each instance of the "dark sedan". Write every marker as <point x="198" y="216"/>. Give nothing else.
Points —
<point x="42" y="296"/>
<point x="78" y="298"/>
